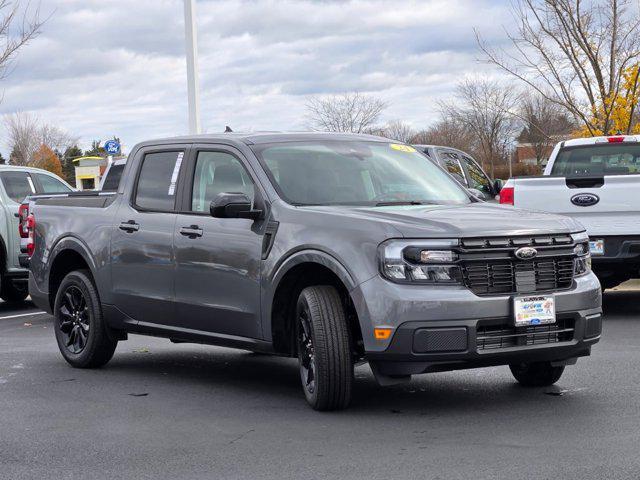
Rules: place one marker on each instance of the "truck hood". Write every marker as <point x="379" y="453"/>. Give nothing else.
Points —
<point x="457" y="221"/>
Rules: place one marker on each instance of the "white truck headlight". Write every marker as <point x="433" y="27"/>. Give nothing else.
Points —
<point x="420" y="261"/>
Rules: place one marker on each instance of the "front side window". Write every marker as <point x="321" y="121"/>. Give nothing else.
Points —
<point x="356" y="173"/>
<point x="606" y="159"/>
<point x="157" y="181"/>
<point x="215" y="173"/>
<point x="477" y="178"/>
<point x="51" y="185"/>
<point x="18" y="185"/>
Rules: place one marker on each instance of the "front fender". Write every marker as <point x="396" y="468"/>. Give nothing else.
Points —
<point x="272" y="279"/>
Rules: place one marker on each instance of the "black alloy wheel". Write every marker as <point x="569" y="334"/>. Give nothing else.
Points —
<point x="306" y="353"/>
<point x="74" y="319"/>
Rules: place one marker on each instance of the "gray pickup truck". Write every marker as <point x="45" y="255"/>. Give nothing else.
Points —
<point x="331" y="248"/>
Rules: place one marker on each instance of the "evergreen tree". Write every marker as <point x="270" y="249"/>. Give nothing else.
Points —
<point x="68" y="167"/>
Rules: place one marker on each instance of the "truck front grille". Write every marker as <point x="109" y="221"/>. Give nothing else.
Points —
<point x="510" y="276"/>
<point x="490" y="266"/>
<point x="492" y="337"/>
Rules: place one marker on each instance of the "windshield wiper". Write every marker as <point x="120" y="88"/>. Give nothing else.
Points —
<point x="399" y="202"/>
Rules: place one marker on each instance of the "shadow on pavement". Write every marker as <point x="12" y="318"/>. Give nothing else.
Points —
<point x="274" y="383"/>
<point x="16" y="308"/>
<point x="621" y="303"/>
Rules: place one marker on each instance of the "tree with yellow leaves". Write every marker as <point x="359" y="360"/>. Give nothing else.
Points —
<point x="582" y="56"/>
<point x="619" y="114"/>
<point x="47" y="159"/>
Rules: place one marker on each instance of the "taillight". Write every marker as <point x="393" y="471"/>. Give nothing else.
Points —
<point x="23" y="213"/>
<point x="507" y="195"/>
<point x="31" y="239"/>
<point x="615" y="139"/>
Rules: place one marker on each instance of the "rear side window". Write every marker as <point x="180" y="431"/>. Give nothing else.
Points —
<point x="51" y="185"/>
<point x="606" y="159"/>
<point x="112" y="180"/>
<point x="18" y="185"/>
<point x="157" y="181"/>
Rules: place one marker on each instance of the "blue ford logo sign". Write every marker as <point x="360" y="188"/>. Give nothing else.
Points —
<point x="585" y="199"/>
<point x="112" y="147"/>
<point x="526" y="253"/>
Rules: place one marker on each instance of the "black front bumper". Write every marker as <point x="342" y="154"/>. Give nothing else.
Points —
<point x="421" y="347"/>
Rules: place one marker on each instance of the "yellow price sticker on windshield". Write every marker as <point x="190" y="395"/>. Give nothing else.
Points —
<point x="402" y="148"/>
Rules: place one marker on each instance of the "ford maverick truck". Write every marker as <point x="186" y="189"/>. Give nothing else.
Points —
<point x="331" y="248"/>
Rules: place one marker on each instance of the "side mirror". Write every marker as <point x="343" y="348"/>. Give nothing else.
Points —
<point x="497" y="185"/>
<point x="233" y="205"/>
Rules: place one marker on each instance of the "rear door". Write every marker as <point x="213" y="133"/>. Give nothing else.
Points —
<point x="596" y="184"/>
<point x="142" y="253"/>
<point x="17" y="185"/>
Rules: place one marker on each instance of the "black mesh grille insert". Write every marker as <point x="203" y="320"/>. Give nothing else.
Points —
<point x="491" y="337"/>
<point x="512" y="276"/>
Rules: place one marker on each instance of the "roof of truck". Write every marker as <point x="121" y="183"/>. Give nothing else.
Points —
<point x="604" y="139"/>
<point x="255" y="138"/>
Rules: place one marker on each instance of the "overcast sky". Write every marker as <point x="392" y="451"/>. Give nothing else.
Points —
<point x="117" y="67"/>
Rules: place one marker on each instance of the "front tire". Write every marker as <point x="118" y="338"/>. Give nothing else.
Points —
<point x="324" y="348"/>
<point x="537" y="374"/>
<point x="81" y="332"/>
<point x="13" y="292"/>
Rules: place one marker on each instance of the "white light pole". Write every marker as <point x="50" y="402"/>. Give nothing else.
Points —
<point x="193" y="88"/>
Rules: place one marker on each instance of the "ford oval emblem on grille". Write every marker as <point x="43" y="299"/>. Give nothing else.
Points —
<point x="585" y="199"/>
<point x="526" y="253"/>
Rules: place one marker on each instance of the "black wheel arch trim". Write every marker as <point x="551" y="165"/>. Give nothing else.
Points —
<point x="66" y="243"/>
<point x="297" y="257"/>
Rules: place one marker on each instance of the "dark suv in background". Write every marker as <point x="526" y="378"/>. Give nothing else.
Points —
<point x="464" y="169"/>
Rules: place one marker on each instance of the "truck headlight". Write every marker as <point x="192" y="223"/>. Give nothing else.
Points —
<point x="582" y="263"/>
<point x="420" y="261"/>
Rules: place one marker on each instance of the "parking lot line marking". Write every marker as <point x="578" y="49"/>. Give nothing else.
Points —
<point x="39" y="312"/>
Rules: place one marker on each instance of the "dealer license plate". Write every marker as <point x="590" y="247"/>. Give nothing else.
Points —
<point x="530" y="311"/>
<point x="596" y="247"/>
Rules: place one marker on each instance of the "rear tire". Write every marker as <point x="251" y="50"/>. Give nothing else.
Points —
<point x="537" y="374"/>
<point x="324" y="348"/>
<point x="81" y="331"/>
<point x="13" y="292"/>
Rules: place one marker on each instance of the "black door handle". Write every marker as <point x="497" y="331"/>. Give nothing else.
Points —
<point x="193" y="231"/>
<point x="129" y="226"/>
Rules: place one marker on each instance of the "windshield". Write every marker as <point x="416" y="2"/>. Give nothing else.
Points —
<point x="356" y="173"/>
<point x="606" y="159"/>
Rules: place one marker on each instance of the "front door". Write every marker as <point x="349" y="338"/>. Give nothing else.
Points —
<point x="217" y="259"/>
<point x="142" y="254"/>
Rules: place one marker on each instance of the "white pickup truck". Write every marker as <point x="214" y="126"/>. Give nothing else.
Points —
<point x="597" y="182"/>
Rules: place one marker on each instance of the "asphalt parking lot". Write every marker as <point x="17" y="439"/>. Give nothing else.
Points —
<point x="160" y="410"/>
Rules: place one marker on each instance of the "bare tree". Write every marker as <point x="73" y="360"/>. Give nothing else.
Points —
<point x="572" y="52"/>
<point x="545" y="123"/>
<point x="26" y="134"/>
<point x="485" y="108"/>
<point x="349" y="112"/>
<point x="450" y="133"/>
<point x="395" y="130"/>
<point x="18" y="26"/>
